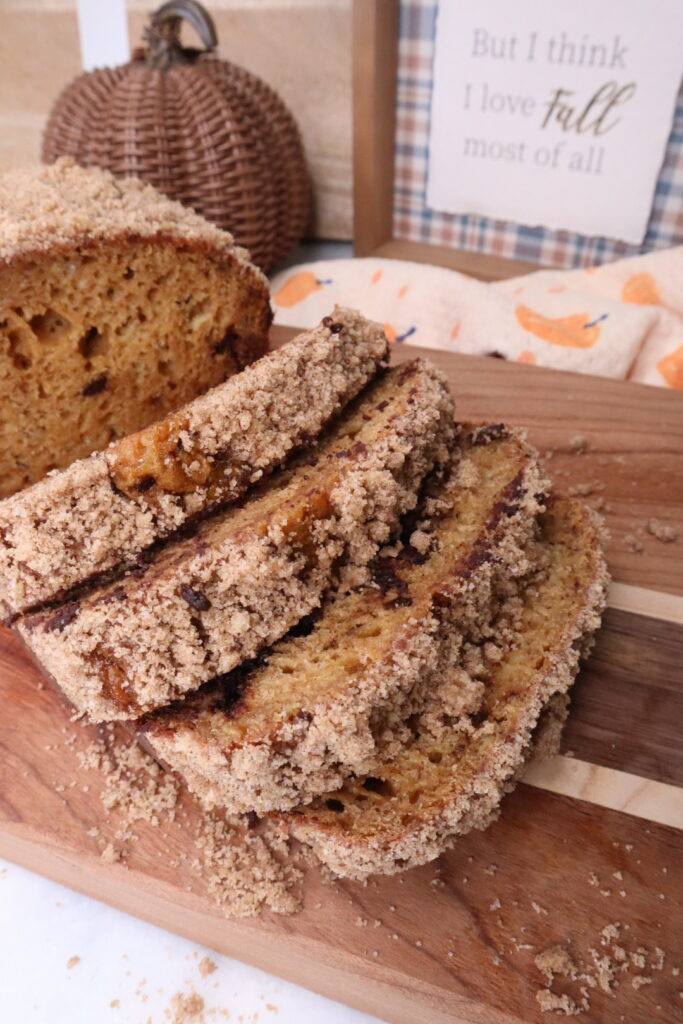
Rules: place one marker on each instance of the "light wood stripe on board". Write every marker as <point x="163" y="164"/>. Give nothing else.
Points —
<point x="619" y="791"/>
<point x="640" y="601"/>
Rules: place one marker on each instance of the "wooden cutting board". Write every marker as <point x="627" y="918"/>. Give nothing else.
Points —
<point x="589" y="840"/>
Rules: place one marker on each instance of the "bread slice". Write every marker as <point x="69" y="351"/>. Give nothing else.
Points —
<point x="327" y="703"/>
<point x="204" y="604"/>
<point x="105" y="510"/>
<point x="448" y="781"/>
<point x="116" y="306"/>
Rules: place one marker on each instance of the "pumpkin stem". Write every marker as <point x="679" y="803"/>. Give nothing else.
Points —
<point x="162" y="35"/>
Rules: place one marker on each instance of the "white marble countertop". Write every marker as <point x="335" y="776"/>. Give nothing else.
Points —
<point x="67" y="959"/>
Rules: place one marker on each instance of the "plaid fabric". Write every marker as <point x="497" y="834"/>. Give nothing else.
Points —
<point x="414" y="221"/>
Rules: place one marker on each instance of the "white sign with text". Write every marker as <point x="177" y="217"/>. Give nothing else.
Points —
<point x="554" y="114"/>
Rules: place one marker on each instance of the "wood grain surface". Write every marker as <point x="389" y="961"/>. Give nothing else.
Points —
<point x="454" y="941"/>
<point x="635" y="667"/>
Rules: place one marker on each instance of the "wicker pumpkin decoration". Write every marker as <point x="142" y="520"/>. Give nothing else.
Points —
<point x="202" y="130"/>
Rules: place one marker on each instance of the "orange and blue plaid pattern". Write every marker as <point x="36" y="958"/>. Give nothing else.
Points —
<point x="413" y="220"/>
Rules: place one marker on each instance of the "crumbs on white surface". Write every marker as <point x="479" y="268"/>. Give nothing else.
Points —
<point x="187" y="1007"/>
<point x="207" y="966"/>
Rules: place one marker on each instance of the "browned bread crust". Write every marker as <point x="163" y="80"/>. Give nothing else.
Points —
<point x="445" y="782"/>
<point x="105" y="510"/>
<point x="116" y="306"/>
<point x="205" y="603"/>
<point x="328" y="703"/>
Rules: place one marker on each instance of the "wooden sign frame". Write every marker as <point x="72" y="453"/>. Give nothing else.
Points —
<point x="388" y="72"/>
<point x="375" y="67"/>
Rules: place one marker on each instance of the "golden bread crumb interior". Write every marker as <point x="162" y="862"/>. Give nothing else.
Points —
<point x="357" y="629"/>
<point x="100" y="342"/>
<point x="428" y="773"/>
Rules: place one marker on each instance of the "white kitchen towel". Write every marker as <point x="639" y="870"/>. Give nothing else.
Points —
<point x="622" y="319"/>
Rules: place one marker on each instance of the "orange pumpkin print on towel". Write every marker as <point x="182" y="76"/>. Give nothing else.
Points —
<point x="574" y="331"/>
<point x="297" y="288"/>
<point x="671" y="368"/>
<point x="393" y="335"/>
<point x="641" y="288"/>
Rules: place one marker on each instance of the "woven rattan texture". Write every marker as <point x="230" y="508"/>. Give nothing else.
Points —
<point x="208" y="134"/>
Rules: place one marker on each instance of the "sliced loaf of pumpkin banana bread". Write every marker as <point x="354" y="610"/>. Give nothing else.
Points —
<point x="117" y="306"/>
<point x="106" y="509"/>
<point x="203" y="604"/>
<point x="452" y="773"/>
<point x="328" y="703"/>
